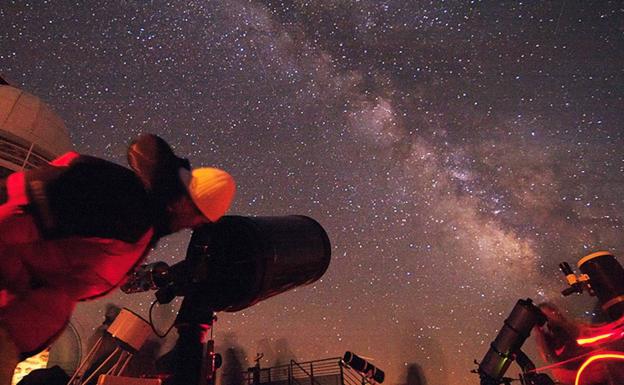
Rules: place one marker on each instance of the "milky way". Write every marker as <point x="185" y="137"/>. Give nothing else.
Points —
<point x="455" y="152"/>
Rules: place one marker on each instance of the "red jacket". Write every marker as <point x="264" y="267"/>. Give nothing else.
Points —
<point x="44" y="272"/>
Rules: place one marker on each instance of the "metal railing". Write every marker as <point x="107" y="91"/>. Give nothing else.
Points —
<point x="328" y="371"/>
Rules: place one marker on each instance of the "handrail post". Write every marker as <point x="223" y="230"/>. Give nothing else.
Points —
<point x="311" y="374"/>
<point x="341" y="372"/>
<point x="290" y="373"/>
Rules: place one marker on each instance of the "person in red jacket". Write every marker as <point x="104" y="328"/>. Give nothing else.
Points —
<point x="73" y="229"/>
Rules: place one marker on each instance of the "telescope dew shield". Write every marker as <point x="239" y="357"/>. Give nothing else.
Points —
<point x="606" y="278"/>
<point x="366" y="368"/>
<point x="240" y="261"/>
<point x="516" y="329"/>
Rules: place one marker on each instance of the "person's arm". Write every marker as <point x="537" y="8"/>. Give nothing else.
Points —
<point x="35" y="319"/>
<point x="84" y="268"/>
<point x="62" y="272"/>
<point x="153" y="160"/>
<point x="158" y="167"/>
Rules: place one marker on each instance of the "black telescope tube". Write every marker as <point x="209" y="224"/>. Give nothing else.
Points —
<point x="366" y="368"/>
<point x="606" y="277"/>
<point x="509" y="340"/>
<point x="238" y="261"/>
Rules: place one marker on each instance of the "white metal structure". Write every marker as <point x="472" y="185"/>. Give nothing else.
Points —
<point x="31" y="133"/>
<point x="130" y="332"/>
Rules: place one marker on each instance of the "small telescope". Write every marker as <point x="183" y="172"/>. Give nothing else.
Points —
<point x="365" y="368"/>
<point x="507" y="345"/>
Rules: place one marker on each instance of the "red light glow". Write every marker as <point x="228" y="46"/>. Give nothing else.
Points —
<point x="591" y="340"/>
<point x="600" y="356"/>
<point x="601" y="334"/>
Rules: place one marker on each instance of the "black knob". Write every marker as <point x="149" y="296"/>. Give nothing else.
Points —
<point x="565" y="268"/>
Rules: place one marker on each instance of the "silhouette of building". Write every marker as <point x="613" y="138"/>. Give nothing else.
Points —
<point x="31" y="133"/>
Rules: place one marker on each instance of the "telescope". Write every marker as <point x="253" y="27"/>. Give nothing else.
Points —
<point x="367" y="369"/>
<point x="602" y="276"/>
<point x="231" y="265"/>
<point x="238" y="261"/>
<point x="507" y="345"/>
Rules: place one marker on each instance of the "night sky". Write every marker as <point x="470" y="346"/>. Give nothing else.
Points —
<point x="455" y="152"/>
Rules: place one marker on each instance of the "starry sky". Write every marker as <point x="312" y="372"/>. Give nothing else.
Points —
<point x="454" y="151"/>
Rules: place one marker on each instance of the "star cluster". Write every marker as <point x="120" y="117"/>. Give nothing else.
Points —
<point x="455" y="152"/>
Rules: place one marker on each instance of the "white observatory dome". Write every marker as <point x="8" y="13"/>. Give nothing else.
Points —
<point x="31" y="134"/>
